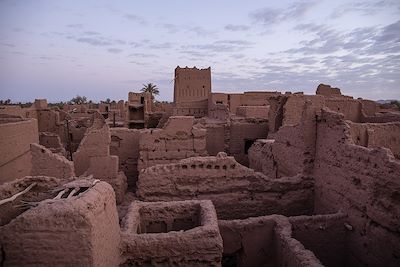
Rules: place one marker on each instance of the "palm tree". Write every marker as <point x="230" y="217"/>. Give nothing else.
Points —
<point x="151" y="88"/>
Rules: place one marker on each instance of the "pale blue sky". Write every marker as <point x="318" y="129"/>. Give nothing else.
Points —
<point x="101" y="49"/>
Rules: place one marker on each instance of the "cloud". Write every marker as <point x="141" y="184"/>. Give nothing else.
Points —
<point x="135" y="18"/>
<point x="93" y="41"/>
<point x="363" y="41"/>
<point x="221" y="46"/>
<point x="165" y="45"/>
<point x="200" y="31"/>
<point x="91" y="33"/>
<point x="75" y="26"/>
<point x="7" y="44"/>
<point x="142" y="55"/>
<point x="171" y="28"/>
<point x="114" y="50"/>
<point x="368" y="8"/>
<point x="236" y="28"/>
<point x="268" y="16"/>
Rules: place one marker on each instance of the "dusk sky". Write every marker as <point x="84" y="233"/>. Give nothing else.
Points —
<point x="104" y="49"/>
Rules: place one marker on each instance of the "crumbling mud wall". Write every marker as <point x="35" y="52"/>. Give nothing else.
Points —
<point x="15" y="140"/>
<point x="81" y="230"/>
<point x="292" y="149"/>
<point x="263" y="241"/>
<point x="93" y="158"/>
<point x="52" y="141"/>
<point x="377" y="135"/>
<point x="236" y="191"/>
<point x="350" y="108"/>
<point x="362" y="183"/>
<point x="324" y="235"/>
<point x="253" y="111"/>
<point x="178" y="233"/>
<point x="178" y="139"/>
<point x="242" y="134"/>
<point x="13" y="111"/>
<point x="46" y="163"/>
<point x="328" y="91"/>
<point x="125" y="145"/>
<point x="216" y="138"/>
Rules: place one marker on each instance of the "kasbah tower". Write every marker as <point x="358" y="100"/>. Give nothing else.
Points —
<point x="192" y="84"/>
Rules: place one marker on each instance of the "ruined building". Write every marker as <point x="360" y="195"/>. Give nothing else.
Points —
<point x="192" y="88"/>
<point x="258" y="179"/>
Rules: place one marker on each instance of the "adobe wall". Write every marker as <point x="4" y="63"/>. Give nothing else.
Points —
<point x="256" y="98"/>
<point x="236" y="191"/>
<point x="95" y="143"/>
<point x="362" y="183"/>
<point x="294" y="108"/>
<point x="327" y="90"/>
<point x="263" y="241"/>
<point x="215" y="138"/>
<point x="13" y="110"/>
<point x="218" y="112"/>
<point x="291" y="151"/>
<point x="178" y="233"/>
<point x="178" y="139"/>
<point x="377" y="135"/>
<point x="15" y="140"/>
<point x="241" y="132"/>
<point x="125" y="145"/>
<point x="350" y="108"/>
<point x="253" y="111"/>
<point x="197" y="109"/>
<point x="75" y="231"/>
<point x="93" y="158"/>
<point x="382" y="117"/>
<point x="47" y="163"/>
<point x="52" y="141"/>
<point x="48" y="121"/>
<point x="324" y="235"/>
<point x="275" y="114"/>
<point x="369" y="107"/>
<point x="77" y="127"/>
<point x="234" y="101"/>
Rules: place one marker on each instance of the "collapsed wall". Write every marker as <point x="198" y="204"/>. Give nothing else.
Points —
<point x="125" y="145"/>
<point x="178" y="139"/>
<point x="291" y="149"/>
<point x="324" y="235"/>
<point x="47" y="163"/>
<point x="93" y="158"/>
<point x="363" y="183"/>
<point x="242" y="134"/>
<point x="78" y="229"/>
<point x="53" y="142"/>
<point x="15" y="140"/>
<point x="236" y="191"/>
<point x="269" y="241"/>
<point x="377" y="135"/>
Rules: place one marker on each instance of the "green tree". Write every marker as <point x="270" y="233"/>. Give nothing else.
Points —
<point x="396" y="103"/>
<point x="151" y="88"/>
<point x="78" y="100"/>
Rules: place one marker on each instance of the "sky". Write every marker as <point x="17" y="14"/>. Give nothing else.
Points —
<point x="104" y="49"/>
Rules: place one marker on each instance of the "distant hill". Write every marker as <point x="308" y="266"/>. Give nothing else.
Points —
<point x="388" y="101"/>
